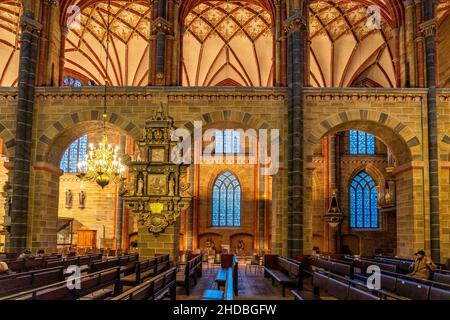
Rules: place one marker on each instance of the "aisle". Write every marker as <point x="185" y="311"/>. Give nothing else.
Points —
<point x="251" y="287"/>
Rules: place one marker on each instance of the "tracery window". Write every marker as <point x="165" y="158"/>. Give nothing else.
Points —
<point x="72" y="82"/>
<point x="227" y="142"/>
<point x="226" y="201"/>
<point x="361" y="142"/>
<point x="75" y="153"/>
<point x="363" y="202"/>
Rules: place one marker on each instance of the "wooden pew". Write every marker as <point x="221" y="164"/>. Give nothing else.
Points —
<point x="339" y="287"/>
<point x="335" y="266"/>
<point x="93" y="286"/>
<point x="284" y="271"/>
<point x="189" y="271"/>
<point x="27" y="280"/>
<point x="143" y="270"/>
<point x="154" y="289"/>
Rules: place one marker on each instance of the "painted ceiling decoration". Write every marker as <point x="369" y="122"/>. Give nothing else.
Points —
<point x="10" y="12"/>
<point x="345" y="52"/>
<point x="85" y="51"/>
<point x="442" y="11"/>
<point x="228" y="43"/>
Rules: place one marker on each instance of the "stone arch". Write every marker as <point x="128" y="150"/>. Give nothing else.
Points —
<point x="52" y="143"/>
<point x="370" y="169"/>
<point x="406" y="145"/>
<point x="231" y="115"/>
<point x="8" y="139"/>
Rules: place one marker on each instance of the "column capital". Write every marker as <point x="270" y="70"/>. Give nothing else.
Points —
<point x="161" y="26"/>
<point x="295" y="22"/>
<point x="29" y="25"/>
<point x="428" y="28"/>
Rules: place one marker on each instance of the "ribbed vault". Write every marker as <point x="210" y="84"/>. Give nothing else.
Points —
<point x="228" y="43"/>
<point x="10" y="12"/>
<point x="345" y="52"/>
<point x="85" y="49"/>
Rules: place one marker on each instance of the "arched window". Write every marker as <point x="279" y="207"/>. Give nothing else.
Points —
<point x="363" y="202"/>
<point x="227" y="142"/>
<point x="361" y="142"/>
<point x="72" y="82"/>
<point x="226" y="201"/>
<point x="75" y="153"/>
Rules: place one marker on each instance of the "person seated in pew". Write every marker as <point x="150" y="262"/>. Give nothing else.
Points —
<point x="423" y="267"/>
<point x="25" y="255"/>
<point x="4" y="269"/>
<point x="40" y="253"/>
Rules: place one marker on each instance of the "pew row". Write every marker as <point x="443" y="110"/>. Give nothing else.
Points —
<point x="284" y="271"/>
<point x="156" y="288"/>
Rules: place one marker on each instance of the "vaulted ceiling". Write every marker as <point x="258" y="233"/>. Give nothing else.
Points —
<point x="10" y="12"/>
<point x="345" y="51"/>
<point x="85" y="48"/>
<point x="228" y="43"/>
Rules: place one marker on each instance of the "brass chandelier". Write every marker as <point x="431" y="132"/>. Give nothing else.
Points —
<point x="103" y="163"/>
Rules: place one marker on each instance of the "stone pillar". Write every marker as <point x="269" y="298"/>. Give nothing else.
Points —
<point x="24" y="121"/>
<point x="410" y="44"/>
<point x="428" y="28"/>
<point x="44" y="197"/>
<point x="161" y="29"/>
<point x="120" y="204"/>
<point x="296" y="38"/>
<point x="166" y="242"/>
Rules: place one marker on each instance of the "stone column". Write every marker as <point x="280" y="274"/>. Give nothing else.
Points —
<point x="24" y="120"/>
<point x="428" y="28"/>
<point x="409" y="43"/>
<point x="44" y="197"/>
<point x="165" y="243"/>
<point x="295" y="27"/>
<point x="161" y="29"/>
<point x="120" y="204"/>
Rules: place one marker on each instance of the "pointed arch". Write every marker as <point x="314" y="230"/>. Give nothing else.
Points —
<point x="363" y="202"/>
<point x="226" y="201"/>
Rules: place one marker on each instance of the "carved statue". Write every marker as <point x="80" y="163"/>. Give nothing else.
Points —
<point x="82" y="199"/>
<point x="241" y="245"/>
<point x="69" y="199"/>
<point x="7" y="194"/>
<point x="140" y="188"/>
<point x="171" y="186"/>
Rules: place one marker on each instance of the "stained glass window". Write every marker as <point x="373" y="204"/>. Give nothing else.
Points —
<point x="361" y="142"/>
<point x="75" y="153"/>
<point x="72" y="82"/>
<point x="363" y="202"/>
<point x="226" y="201"/>
<point x="228" y="141"/>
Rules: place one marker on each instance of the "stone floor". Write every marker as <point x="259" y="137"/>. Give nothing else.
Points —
<point x="252" y="286"/>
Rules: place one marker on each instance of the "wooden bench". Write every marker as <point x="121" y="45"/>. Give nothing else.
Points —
<point x="283" y="271"/>
<point x="339" y="287"/>
<point x="154" y="289"/>
<point x="93" y="286"/>
<point x="334" y="266"/>
<point x="191" y="270"/>
<point x="296" y="295"/>
<point x="400" y="286"/>
<point x="143" y="270"/>
<point x="28" y="280"/>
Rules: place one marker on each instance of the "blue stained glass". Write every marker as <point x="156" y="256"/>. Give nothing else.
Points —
<point x="215" y="207"/>
<point x="223" y="206"/>
<point x="361" y="142"/>
<point x="352" y="207"/>
<point x="72" y="82"/>
<point x="237" y="206"/>
<point x="230" y="206"/>
<point x="219" y="142"/>
<point x="228" y="141"/>
<point x="363" y="202"/>
<point x="226" y="201"/>
<point x="353" y="142"/>
<point x="236" y="142"/>
<point x="75" y="153"/>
